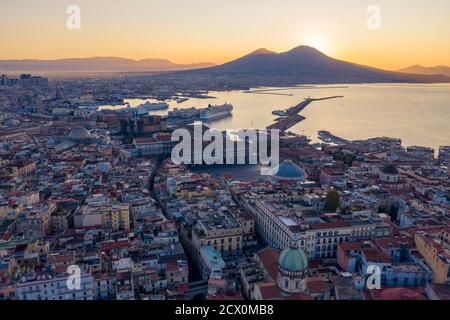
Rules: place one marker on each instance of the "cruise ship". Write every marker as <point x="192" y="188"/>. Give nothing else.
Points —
<point x="187" y="113"/>
<point x="148" y="106"/>
<point x="216" y="112"/>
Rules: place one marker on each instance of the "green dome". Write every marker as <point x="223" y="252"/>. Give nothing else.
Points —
<point x="293" y="260"/>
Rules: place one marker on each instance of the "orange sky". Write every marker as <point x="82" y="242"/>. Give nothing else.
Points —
<point x="189" y="31"/>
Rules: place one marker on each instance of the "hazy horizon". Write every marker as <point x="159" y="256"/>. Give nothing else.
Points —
<point x="193" y="62"/>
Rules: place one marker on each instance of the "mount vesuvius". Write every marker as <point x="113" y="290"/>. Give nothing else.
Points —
<point x="305" y="64"/>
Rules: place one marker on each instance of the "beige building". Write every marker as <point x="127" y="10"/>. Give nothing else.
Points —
<point x="8" y="212"/>
<point x="436" y="254"/>
<point x="111" y="216"/>
<point x="225" y="238"/>
<point x="24" y="169"/>
<point x="116" y="216"/>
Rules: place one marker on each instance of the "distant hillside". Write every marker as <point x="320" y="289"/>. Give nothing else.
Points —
<point x="442" y="70"/>
<point x="306" y="65"/>
<point x="97" y="64"/>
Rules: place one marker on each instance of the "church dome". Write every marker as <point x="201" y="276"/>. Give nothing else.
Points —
<point x="79" y="134"/>
<point x="293" y="260"/>
<point x="288" y="170"/>
<point x="390" y="169"/>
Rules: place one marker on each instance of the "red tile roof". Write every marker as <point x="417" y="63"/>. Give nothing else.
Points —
<point x="269" y="258"/>
<point x="372" y="254"/>
<point x="398" y="294"/>
<point x="316" y="285"/>
<point x="269" y="290"/>
<point x="349" y="246"/>
<point x="330" y="225"/>
<point x="298" y="296"/>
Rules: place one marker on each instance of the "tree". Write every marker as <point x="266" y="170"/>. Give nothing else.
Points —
<point x="404" y="253"/>
<point x="393" y="212"/>
<point x="348" y="159"/>
<point x="346" y="211"/>
<point x="332" y="201"/>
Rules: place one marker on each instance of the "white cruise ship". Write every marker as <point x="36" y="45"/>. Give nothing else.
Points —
<point x="148" y="106"/>
<point x="186" y="113"/>
<point x="216" y="112"/>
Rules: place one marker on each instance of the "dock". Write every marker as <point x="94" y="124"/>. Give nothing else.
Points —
<point x="284" y="124"/>
<point x="328" y="137"/>
<point x="293" y="117"/>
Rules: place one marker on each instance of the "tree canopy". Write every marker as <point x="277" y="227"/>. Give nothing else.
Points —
<point x="332" y="201"/>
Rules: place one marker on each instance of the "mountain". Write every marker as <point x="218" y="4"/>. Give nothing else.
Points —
<point x="96" y="64"/>
<point x="442" y="70"/>
<point x="261" y="52"/>
<point x="306" y="65"/>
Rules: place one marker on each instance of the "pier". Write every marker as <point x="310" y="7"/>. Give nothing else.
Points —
<point x="273" y="91"/>
<point x="328" y="137"/>
<point x="293" y="117"/>
<point x="284" y="124"/>
<point x="276" y="91"/>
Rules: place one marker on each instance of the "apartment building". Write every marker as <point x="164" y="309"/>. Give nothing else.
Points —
<point x="54" y="287"/>
<point x="436" y="254"/>
<point x="111" y="216"/>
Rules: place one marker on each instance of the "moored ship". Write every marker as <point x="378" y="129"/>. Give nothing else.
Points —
<point x="187" y="113"/>
<point x="279" y="113"/>
<point x="148" y="106"/>
<point x="216" y="112"/>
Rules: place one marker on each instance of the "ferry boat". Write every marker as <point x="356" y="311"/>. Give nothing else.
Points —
<point x="181" y="99"/>
<point x="279" y="113"/>
<point x="148" y="106"/>
<point x="216" y="112"/>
